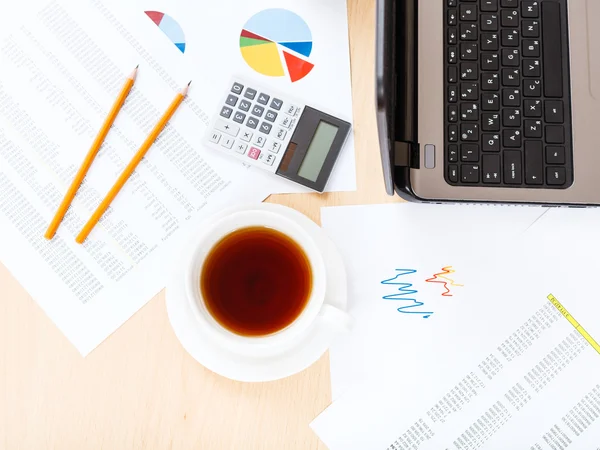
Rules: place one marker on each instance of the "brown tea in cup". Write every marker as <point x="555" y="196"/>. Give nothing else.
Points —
<point x="256" y="281"/>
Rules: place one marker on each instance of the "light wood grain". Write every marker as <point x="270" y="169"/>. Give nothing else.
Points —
<point x="140" y="389"/>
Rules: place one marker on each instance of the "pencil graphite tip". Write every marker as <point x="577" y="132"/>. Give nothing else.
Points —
<point x="185" y="90"/>
<point x="134" y="73"/>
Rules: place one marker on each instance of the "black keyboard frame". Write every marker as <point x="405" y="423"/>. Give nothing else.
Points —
<point x="526" y="177"/>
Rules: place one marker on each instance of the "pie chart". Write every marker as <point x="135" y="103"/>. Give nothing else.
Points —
<point x="276" y="43"/>
<point x="170" y="27"/>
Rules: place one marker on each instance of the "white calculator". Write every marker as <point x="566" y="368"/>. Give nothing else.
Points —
<point x="266" y="129"/>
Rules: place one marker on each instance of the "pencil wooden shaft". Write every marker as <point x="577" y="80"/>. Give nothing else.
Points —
<point x="89" y="226"/>
<point x="89" y="159"/>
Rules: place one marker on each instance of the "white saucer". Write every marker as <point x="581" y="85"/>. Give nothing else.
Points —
<point x="309" y="348"/>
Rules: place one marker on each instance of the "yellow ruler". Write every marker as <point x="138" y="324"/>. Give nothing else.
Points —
<point x="558" y="305"/>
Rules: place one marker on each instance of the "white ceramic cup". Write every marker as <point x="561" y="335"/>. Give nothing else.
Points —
<point x="315" y="313"/>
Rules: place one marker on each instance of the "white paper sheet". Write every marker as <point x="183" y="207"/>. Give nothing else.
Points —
<point x="501" y="370"/>
<point x="212" y="34"/>
<point x="377" y="240"/>
<point x="61" y="71"/>
<point x="512" y="374"/>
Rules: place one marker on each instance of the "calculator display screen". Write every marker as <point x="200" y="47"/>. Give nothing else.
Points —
<point x="317" y="151"/>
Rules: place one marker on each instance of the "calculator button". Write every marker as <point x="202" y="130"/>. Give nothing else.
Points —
<point x="231" y="100"/>
<point x="276" y="104"/>
<point x="226" y="112"/>
<point x="245" y="105"/>
<point x="265" y="127"/>
<point x="292" y="110"/>
<point x="239" y="117"/>
<point x="227" y="142"/>
<point x="274" y="147"/>
<point x="281" y="133"/>
<point x="271" y="116"/>
<point x="240" y="147"/>
<point x="259" y="141"/>
<point x="215" y="137"/>
<point x="253" y="153"/>
<point x="252" y="123"/>
<point x="227" y="127"/>
<point x="268" y="159"/>
<point x="263" y="99"/>
<point x="250" y="93"/>
<point x="237" y="88"/>
<point x="285" y="121"/>
<point x="246" y="136"/>
<point x="258" y="110"/>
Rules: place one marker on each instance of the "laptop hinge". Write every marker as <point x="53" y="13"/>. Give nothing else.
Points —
<point x="406" y="154"/>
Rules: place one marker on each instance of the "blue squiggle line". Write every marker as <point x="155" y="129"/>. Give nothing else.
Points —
<point x="403" y="290"/>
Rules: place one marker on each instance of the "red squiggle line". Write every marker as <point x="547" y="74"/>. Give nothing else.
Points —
<point x="442" y="276"/>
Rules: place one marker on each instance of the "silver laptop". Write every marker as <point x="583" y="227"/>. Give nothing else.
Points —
<point x="490" y="100"/>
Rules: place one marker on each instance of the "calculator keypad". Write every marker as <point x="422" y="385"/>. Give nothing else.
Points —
<point x="254" y="125"/>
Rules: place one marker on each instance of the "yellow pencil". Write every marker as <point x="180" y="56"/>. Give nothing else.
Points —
<point x="89" y="226"/>
<point x="91" y="155"/>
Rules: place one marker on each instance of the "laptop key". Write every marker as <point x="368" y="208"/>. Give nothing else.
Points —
<point x="491" y="143"/>
<point x="469" y="132"/>
<point x="489" y="5"/>
<point x="552" y="48"/>
<point x="453" y="173"/>
<point x="533" y="108"/>
<point x="453" y="154"/>
<point x="556" y="176"/>
<point x="534" y="163"/>
<point x="491" y="169"/>
<point x="530" y="28"/>
<point x="490" y="102"/>
<point x="533" y="129"/>
<point x="555" y="134"/>
<point x="511" y="97"/>
<point x="469" y="91"/>
<point x="490" y="122"/>
<point x="511" y="138"/>
<point x="452" y="113"/>
<point x="532" y="68"/>
<point x="555" y="155"/>
<point x="490" y="61"/>
<point x="489" y="22"/>
<point x="511" y="117"/>
<point x="530" y="8"/>
<point x="469" y="153"/>
<point x="512" y="167"/>
<point x="469" y="173"/>
<point x="532" y="88"/>
<point x="553" y="111"/>
<point x="489" y="42"/>
<point x="468" y="12"/>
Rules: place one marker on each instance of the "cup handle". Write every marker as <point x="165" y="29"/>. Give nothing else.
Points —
<point x="340" y="320"/>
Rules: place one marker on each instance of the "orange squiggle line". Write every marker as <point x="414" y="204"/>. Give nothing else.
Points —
<point x="445" y="271"/>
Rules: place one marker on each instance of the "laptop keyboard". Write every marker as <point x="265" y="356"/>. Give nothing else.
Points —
<point x="508" y="108"/>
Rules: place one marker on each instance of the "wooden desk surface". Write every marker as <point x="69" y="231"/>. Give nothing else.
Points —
<point x="140" y="389"/>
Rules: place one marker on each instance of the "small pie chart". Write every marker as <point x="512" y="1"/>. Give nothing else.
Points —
<point x="277" y="42"/>
<point x="170" y="27"/>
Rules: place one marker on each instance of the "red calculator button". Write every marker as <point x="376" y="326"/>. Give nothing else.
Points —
<point x="254" y="153"/>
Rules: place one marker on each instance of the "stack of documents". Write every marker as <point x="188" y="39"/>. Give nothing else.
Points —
<point x="467" y="337"/>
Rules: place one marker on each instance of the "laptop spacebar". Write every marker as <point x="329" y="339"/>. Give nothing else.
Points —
<point x="552" y="48"/>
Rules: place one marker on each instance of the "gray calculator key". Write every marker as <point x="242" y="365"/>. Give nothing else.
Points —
<point x="245" y="105"/>
<point x="263" y="99"/>
<point x="271" y="116"/>
<point x="239" y="117"/>
<point x="226" y="112"/>
<point x="250" y="93"/>
<point x="276" y="104"/>
<point x="237" y="88"/>
<point x="231" y="100"/>
<point x="252" y="122"/>
<point x="258" y="110"/>
<point x="265" y="127"/>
